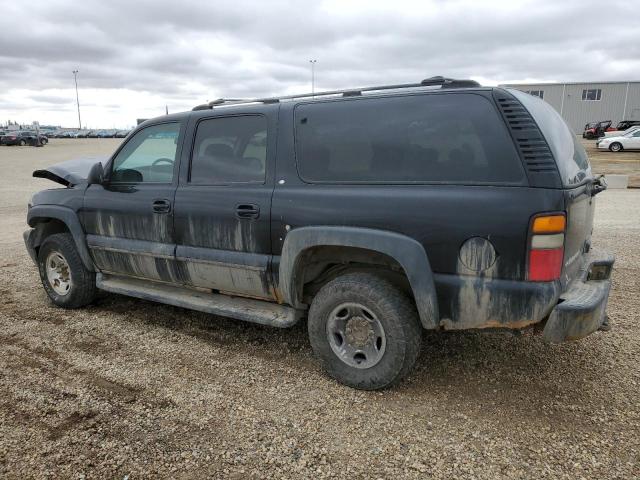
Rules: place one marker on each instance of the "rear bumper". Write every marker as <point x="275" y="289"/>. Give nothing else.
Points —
<point x="581" y="308"/>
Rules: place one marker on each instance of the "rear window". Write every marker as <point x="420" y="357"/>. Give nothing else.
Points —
<point x="569" y="153"/>
<point x="453" y="138"/>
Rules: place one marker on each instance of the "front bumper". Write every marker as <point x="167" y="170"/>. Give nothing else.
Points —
<point x="581" y="308"/>
<point x="29" y="237"/>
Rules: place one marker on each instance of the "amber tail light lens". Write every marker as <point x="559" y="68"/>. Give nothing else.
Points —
<point x="546" y="247"/>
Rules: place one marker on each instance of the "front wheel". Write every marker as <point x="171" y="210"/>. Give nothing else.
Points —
<point x="44" y="141"/>
<point x="64" y="277"/>
<point x="22" y="143"/>
<point x="365" y="331"/>
<point x="615" y="147"/>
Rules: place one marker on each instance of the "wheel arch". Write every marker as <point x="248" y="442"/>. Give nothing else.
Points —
<point x="49" y="219"/>
<point x="408" y="253"/>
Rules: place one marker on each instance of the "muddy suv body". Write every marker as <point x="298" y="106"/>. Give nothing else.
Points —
<point x="373" y="213"/>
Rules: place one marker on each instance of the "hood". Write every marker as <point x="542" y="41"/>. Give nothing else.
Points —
<point x="70" y="173"/>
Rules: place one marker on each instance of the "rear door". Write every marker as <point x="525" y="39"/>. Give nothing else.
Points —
<point x="223" y="201"/>
<point x="129" y="219"/>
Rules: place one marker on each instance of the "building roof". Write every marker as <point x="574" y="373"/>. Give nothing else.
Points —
<point x="567" y="83"/>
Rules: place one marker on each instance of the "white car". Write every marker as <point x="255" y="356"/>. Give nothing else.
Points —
<point x="628" y="141"/>
<point x="617" y="133"/>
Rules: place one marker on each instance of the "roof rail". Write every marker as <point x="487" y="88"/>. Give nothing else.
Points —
<point x="351" y="92"/>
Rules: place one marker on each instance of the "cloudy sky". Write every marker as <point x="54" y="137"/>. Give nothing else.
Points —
<point x="134" y="57"/>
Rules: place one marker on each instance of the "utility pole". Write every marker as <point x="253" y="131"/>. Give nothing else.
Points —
<point x="75" y="78"/>
<point x="313" y="76"/>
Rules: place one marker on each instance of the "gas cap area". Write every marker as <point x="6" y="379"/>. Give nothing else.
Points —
<point x="477" y="254"/>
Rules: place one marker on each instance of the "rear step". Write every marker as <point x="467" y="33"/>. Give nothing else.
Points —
<point x="247" y="309"/>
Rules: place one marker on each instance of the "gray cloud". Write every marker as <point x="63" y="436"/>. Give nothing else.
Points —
<point x="190" y="51"/>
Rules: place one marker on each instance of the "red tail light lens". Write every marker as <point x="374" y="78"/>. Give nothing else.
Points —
<point x="545" y="265"/>
<point x="546" y="247"/>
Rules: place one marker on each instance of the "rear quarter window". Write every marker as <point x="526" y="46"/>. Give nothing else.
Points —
<point x="570" y="155"/>
<point x="439" y="138"/>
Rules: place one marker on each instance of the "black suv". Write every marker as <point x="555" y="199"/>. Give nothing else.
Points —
<point x="374" y="213"/>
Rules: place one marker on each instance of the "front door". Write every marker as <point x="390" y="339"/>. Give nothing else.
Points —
<point x="129" y="219"/>
<point x="223" y="202"/>
<point x="634" y="141"/>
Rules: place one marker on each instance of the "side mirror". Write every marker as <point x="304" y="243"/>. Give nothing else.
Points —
<point x="96" y="175"/>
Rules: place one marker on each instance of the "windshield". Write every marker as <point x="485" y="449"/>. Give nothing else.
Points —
<point x="569" y="153"/>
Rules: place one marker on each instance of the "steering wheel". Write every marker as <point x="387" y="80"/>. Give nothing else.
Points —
<point x="162" y="160"/>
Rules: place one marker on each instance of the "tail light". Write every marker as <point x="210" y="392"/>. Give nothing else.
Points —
<point x="546" y="247"/>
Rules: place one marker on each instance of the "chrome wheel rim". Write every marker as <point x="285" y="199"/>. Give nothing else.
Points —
<point x="356" y="335"/>
<point x="615" y="147"/>
<point x="58" y="274"/>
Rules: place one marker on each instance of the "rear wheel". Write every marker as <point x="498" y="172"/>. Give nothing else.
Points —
<point x="64" y="277"/>
<point x="615" y="147"/>
<point x="365" y="331"/>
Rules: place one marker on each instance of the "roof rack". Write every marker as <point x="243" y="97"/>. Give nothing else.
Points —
<point x="353" y="92"/>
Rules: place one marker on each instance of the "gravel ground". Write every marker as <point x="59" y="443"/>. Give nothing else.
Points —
<point x="127" y="387"/>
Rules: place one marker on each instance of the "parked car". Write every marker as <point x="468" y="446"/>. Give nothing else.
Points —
<point x="122" y="133"/>
<point x="373" y="213"/>
<point x="70" y="134"/>
<point x="23" y="138"/>
<point x="106" y="134"/>
<point x="626" y="124"/>
<point x="630" y="140"/>
<point x="618" y="133"/>
<point x="596" y="129"/>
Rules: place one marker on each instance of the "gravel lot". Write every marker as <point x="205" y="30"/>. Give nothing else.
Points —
<point x="127" y="387"/>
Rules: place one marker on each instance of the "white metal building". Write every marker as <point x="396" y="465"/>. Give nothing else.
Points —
<point x="581" y="103"/>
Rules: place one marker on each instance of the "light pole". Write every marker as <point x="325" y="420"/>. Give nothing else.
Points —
<point x="75" y="78"/>
<point x="313" y="76"/>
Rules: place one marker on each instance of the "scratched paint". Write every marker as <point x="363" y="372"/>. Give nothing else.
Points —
<point x="236" y="234"/>
<point x="139" y="227"/>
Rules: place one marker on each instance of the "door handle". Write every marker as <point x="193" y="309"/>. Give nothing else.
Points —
<point x="161" y="205"/>
<point x="247" y="210"/>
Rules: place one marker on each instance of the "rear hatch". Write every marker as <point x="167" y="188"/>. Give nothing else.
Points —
<point x="578" y="183"/>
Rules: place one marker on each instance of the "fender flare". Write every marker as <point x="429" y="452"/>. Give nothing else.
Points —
<point x="406" y="251"/>
<point x="41" y="213"/>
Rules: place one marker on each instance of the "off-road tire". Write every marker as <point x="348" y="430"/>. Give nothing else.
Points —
<point x="395" y="311"/>
<point x="616" y="147"/>
<point x="83" y="282"/>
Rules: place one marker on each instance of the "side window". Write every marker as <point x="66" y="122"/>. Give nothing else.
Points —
<point x="229" y="150"/>
<point x="148" y="157"/>
<point x="535" y="93"/>
<point x="592" y="94"/>
<point x="454" y="137"/>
